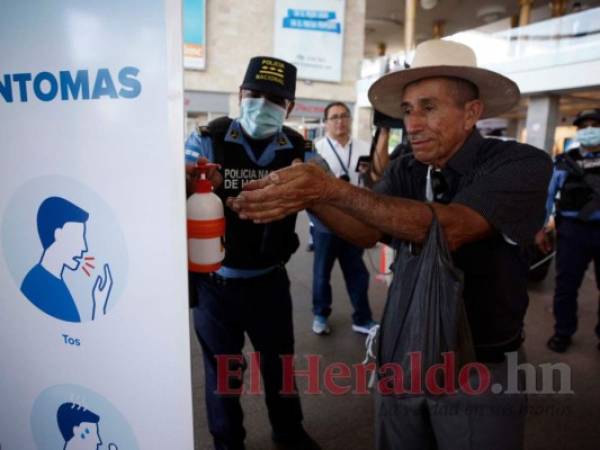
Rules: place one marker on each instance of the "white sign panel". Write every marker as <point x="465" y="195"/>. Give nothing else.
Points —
<point x="94" y="332"/>
<point x="310" y="35"/>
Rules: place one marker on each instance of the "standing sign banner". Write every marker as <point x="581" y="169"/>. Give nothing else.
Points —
<point x="94" y="331"/>
<point x="194" y="34"/>
<point x="310" y="35"/>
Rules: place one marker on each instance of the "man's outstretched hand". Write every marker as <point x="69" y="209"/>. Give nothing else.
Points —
<point x="283" y="192"/>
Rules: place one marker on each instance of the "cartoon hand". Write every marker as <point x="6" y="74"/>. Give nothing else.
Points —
<point x="101" y="290"/>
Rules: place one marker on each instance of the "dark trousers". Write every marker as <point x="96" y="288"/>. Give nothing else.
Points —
<point x="461" y="421"/>
<point x="262" y="308"/>
<point x="577" y="243"/>
<point x="327" y="248"/>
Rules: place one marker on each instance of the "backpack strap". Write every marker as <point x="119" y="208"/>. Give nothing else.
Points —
<point x="216" y="130"/>
<point x="301" y="145"/>
<point x="591" y="181"/>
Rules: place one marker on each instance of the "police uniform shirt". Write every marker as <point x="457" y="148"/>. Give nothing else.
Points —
<point x="346" y="160"/>
<point x="198" y="145"/>
<point x="557" y="182"/>
<point x="505" y="182"/>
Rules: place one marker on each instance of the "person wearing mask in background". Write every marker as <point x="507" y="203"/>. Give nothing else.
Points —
<point x="577" y="220"/>
<point x="342" y="154"/>
<point x="489" y="198"/>
<point x="251" y="292"/>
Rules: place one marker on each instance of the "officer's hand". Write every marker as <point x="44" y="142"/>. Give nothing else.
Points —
<point x="543" y="241"/>
<point x="213" y="174"/>
<point x="282" y="193"/>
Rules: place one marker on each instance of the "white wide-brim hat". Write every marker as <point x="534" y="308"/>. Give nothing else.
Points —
<point x="439" y="58"/>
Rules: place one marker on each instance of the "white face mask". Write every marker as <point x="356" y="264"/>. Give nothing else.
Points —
<point x="260" y="118"/>
<point x="588" y="137"/>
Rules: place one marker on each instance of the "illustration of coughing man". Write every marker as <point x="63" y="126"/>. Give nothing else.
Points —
<point x="79" y="428"/>
<point x="61" y="227"/>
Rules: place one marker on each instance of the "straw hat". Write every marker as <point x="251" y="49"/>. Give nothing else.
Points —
<point x="438" y="58"/>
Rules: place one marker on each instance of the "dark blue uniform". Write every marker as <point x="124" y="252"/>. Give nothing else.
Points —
<point x="577" y="232"/>
<point x="251" y="292"/>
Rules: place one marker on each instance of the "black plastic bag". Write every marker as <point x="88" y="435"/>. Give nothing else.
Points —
<point x="425" y="312"/>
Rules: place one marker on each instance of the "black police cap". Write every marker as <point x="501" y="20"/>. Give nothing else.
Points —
<point x="272" y="76"/>
<point x="593" y="114"/>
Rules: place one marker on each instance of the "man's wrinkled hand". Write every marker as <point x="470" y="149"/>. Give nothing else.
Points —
<point x="282" y="193"/>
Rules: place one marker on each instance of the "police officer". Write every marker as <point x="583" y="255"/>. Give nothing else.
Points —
<point x="251" y="292"/>
<point x="577" y="178"/>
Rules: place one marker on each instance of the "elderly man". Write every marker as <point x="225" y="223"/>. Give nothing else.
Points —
<point x="489" y="198"/>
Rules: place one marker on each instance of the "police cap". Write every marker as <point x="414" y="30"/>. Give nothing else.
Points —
<point x="593" y="114"/>
<point x="272" y="76"/>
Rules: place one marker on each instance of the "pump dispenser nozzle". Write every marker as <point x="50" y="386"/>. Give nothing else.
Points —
<point x="203" y="185"/>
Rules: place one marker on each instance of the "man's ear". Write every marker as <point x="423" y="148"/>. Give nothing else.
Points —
<point x="473" y="111"/>
<point x="289" y="109"/>
<point x="57" y="234"/>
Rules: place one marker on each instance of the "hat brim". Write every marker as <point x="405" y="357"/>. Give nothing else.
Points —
<point x="594" y="116"/>
<point x="498" y="93"/>
<point x="269" y="89"/>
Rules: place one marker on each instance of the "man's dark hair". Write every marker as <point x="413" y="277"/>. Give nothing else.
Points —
<point x="464" y="90"/>
<point x="53" y="213"/>
<point x="331" y="105"/>
<point x="70" y="415"/>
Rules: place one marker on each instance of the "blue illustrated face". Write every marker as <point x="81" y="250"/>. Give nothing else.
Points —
<point x="89" y="436"/>
<point x="86" y="436"/>
<point x="71" y="242"/>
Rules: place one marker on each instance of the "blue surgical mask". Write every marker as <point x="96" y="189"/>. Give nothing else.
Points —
<point x="588" y="137"/>
<point x="260" y="118"/>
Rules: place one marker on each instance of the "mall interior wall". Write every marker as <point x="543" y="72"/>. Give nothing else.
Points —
<point x="237" y="30"/>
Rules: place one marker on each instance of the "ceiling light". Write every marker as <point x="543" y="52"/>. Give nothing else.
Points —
<point x="428" y="4"/>
<point x="492" y="13"/>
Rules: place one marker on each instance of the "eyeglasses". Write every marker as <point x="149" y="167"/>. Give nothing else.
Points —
<point x="336" y="117"/>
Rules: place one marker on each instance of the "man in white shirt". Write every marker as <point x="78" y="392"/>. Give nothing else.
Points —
<point x="342" y="153"/>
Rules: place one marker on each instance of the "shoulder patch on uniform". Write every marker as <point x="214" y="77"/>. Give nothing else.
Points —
<point x="234" y="134"/>
<point x="203" y="130"/>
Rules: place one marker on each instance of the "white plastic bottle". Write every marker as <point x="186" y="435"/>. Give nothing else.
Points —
<point x="206" y="225"/>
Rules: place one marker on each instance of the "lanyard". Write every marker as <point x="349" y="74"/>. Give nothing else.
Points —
<point x="347" y="166"/>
